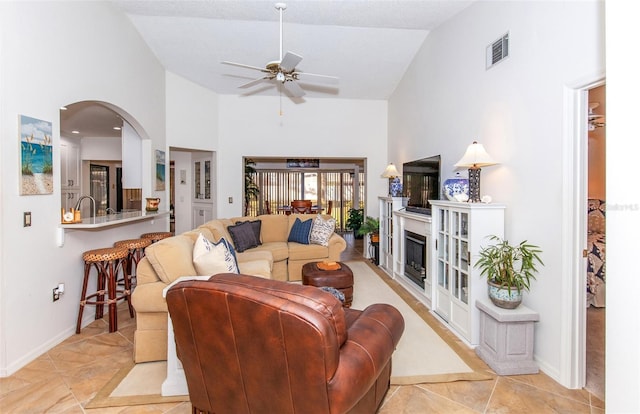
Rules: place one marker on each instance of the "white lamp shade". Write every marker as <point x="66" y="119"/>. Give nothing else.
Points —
<point x="390" y="172"/>
<point x="475" y="156"/>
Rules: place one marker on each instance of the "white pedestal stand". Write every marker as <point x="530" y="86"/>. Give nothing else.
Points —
<point x="506" y="338"/>
<point x="176" y="382"/>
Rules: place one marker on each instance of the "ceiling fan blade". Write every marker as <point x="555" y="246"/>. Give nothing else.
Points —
<point x="255" y="81"/>
<point x="325" y="78"/>
<point x="294" y="89"/>
<point x="290" y="61"/>
<point x="242" y="65"/>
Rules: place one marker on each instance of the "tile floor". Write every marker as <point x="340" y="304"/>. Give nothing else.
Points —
<point x="66" y="377"/>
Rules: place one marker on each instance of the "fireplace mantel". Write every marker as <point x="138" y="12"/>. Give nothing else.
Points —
<point x="419" y="224"/>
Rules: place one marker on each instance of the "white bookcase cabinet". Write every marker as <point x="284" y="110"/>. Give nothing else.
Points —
<point x="458" y="232"/>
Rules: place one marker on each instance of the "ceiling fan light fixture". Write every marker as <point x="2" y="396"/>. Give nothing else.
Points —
<point x="283" y="70"/>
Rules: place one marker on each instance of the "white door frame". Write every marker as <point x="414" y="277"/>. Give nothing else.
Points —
<point x="574" y="231"/>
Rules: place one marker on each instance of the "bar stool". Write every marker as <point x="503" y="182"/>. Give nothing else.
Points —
<point x="107" y="262"/>
<point x="157" y="236"/>
<point x="136" y="252"/>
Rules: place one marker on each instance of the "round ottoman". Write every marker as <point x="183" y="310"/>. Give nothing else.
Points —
<point x="341" y="279"/>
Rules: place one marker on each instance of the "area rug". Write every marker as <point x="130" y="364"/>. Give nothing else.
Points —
<point x="135" y="384"/>
<point x="422" y="355"/>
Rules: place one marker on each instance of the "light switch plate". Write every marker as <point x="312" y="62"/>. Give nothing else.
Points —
<point x="26" y="222"/>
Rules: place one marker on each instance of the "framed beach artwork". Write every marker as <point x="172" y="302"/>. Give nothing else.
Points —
<point x="36" y="156"/>
<point x="160" y="170"/>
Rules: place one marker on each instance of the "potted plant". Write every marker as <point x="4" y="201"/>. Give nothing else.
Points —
<point x="251" y="189"/>
<point x="509" y="270"/>
<point x="370" y="226"/>
<point x="354" y="221"/>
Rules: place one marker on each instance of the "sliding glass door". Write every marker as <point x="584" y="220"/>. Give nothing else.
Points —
<point x="335" y="192"/>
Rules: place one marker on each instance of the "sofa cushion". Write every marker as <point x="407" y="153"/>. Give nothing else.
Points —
<point x="322" y="230"/>
<point x="243" y="236"/>
<point x="260" y="268"/>
<point x="279" y="250"/>
<point x="193" y="234"/>
<point x="172" y="258"/>
<point x="275" y="228"/>
<point x="212" y="258"/>
<point x="311" y="252"/>
<point x="300" y="231"/>
<point x="218" y="229"/>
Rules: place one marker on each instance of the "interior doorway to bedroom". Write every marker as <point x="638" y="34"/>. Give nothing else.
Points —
<point x="596" y="242"/>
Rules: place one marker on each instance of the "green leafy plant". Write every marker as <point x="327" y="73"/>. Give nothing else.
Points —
<point x="509" y="266"/>
<point x="355" y="220"/>
<point x="371" y="225"/>
<point x="251" y="189"/>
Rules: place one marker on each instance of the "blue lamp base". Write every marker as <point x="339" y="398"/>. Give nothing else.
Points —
<point x="395" y="187"/>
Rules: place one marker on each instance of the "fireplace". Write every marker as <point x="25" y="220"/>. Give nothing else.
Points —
<point x="415" y="257"/>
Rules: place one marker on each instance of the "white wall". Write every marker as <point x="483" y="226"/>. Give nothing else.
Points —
<point x="252" y="126"/>
<point x="623" y="210"/>
<point x="447" y="99"/>
<point x="101" y="149"/>
<point x="192" y="115"/>
<point x="53" y="54"/>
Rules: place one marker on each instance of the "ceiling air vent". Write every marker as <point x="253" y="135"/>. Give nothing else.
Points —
<point x="498" y="50"/>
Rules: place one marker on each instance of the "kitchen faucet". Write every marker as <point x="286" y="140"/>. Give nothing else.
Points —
<point x="93" y="201"/>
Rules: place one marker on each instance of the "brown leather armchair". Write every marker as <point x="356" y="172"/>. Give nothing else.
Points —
<point x="253" y="345"/>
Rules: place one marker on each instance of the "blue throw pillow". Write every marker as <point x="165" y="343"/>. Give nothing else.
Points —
<point x="300" y="231"/>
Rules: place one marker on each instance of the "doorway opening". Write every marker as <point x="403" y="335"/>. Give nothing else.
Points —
<point x="596" y="242"/>
<point x="574" y="232"/>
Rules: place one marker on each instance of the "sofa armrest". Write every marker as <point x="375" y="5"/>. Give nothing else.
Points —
<point x="148" y="297"/>
<point x="336" y="246"/>
<point x="372" y="339"/>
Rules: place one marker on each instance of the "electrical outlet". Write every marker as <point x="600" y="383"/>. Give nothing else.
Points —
<point x="56" y="294"/>
<point x="230" y="200"/>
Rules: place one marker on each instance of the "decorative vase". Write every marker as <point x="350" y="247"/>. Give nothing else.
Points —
<point x="456" y="189"/>
<point x="502" y="298"/>
<point x="152" y="203"/>
<point x="396" y="187"/>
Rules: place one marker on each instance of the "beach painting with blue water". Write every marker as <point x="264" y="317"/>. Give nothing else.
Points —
<point x="36" y="156"/>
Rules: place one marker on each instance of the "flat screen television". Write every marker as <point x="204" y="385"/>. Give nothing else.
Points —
<point x="421" y="183"/>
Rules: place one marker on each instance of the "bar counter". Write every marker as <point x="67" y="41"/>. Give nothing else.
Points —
<point x="97" y="223"/>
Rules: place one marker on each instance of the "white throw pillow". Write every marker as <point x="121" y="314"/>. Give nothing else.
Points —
<point x="212" y="258"/>
<point x="322" y="230"/>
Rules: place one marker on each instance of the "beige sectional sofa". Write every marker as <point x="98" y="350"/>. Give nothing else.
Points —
<point x="171" y="258"/>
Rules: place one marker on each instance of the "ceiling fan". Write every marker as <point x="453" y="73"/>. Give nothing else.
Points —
<point x="282" y="70"/>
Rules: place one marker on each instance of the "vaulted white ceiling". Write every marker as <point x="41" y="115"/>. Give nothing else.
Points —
<point x="367" y="44"/>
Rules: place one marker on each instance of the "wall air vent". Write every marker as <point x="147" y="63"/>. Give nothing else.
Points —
<point x="498" y="51"/>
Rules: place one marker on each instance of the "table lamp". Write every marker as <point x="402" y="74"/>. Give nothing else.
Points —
<point x="391" y="172"/>
<point x="474" y="158"/>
